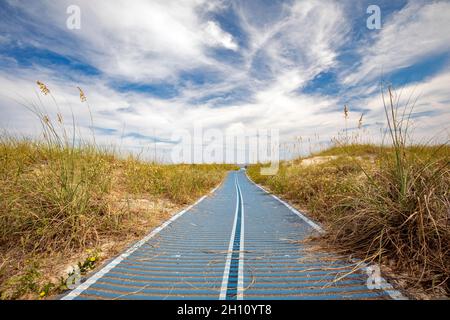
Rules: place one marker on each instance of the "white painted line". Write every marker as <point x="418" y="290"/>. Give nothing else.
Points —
<point x="385" y="285"/>
<point x="226" y="272"/>
<point x="215" y="188"/>
<point x="90" y="281"/>
<point x="240" y="285"/>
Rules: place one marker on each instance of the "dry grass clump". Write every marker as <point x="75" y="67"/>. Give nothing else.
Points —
<point x="50" y="196"/>
<point x="53" y="199"/>
<point x="60" y="196"/>
<point x="387" y="205"/>
<point x="403" y="223"/>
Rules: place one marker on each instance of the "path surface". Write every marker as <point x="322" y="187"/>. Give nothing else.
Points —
<point x="237" y="243"/>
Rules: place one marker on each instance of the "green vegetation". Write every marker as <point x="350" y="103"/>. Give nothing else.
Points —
<point x="386" y="204"/>
<point x="65" y="200"/>
<point x="59" y="200"/>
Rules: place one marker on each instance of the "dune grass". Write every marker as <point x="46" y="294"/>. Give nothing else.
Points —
<point x="365" y="210"/>
<point x="64" y="202"/>
<point x="385" y="204"/>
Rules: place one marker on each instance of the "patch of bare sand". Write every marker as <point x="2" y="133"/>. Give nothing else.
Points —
<point x="316" y="160"/>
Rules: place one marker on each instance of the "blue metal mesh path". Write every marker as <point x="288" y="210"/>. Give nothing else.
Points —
<point x="237" y="243"/>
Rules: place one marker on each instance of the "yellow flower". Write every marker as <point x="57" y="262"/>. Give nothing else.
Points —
<point x="42" y="294"/>
<point x="92" y="259"/>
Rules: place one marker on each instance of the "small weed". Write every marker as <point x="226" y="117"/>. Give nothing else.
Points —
<point x="89" y="263"/>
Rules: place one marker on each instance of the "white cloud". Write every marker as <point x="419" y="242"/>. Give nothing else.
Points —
<point x="215" y="36"/>
<point x="136" y="40"/>
<point x="419" y="30"/>
<point x="431" y="99"/>
<point x="298" y="42"/>
<point x="156" y="40"/>
<point x="295" y="114"/>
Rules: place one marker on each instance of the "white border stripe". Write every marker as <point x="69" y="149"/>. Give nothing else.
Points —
<point x="90" y="281"/>
<point x="385" y="285"/>
<point x="226" y="271"/>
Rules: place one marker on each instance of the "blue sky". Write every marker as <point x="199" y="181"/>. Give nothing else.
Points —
<point x="151" y="67"/>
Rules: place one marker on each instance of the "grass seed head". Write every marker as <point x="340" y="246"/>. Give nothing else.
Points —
<point x="43" y="87"/>
<point x="360" y="122"/>
<point x="345" y="111"/>
<point x="82" y="95"/>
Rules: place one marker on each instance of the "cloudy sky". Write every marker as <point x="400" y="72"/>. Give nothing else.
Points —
<point x="150" y="67"/>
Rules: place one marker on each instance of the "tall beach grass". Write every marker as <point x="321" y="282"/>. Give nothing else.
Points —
<point x="63" y="199"/>
<point x="387" y="204"/>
